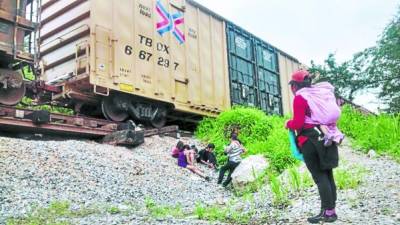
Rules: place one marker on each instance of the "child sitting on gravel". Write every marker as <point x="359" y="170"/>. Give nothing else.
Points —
<point x="207" y="156"/>
<point x="191" y="153"/>
<point x="175" y="150"/>
<point x="184" y="159"/>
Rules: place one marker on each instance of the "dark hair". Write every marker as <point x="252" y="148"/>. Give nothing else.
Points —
<point x="234" y="136"/>
<point x="305" y="83"/>
<point x="179" y="145"/>
<point x="194" y="148"/>
<point x="186" y="147"/>
<point x="211" y="145"/>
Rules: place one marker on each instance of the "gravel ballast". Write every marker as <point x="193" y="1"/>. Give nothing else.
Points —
<point x="35" y="173"/>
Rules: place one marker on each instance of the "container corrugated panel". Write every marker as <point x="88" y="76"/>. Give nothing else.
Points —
<point x="287" y="66"/>
<point x="64" y="25"/>
<point x="183" y="63"/>
<point x="254" y="71"/>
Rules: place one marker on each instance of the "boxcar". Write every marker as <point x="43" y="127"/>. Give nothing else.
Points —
<point x="17" y="47"/>
<point x="138" y="58"/>
<point x="147" y="59"/>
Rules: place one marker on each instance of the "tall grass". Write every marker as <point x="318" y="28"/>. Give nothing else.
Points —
<point x="279" y="192"/>
<point x="259" y="133"/>
<point x="349" y="178"/>
<point x="381" y="133"/>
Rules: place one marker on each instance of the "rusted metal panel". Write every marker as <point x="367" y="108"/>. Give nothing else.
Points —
<point x="287" y="65"/>
<point x="12" y="119"/>
<point x="14" y="27"/>
<point x="16" y="119"/>
<point x="164" y="130"/>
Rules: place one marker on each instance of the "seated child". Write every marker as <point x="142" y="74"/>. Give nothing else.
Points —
<point x="176" y="149"/>
<point x="183" y="161"/>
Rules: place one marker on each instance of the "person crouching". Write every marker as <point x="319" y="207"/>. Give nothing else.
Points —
<point x="234" y="150"/>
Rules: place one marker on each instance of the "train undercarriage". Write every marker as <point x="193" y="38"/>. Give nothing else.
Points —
<point x="116" y="107"/>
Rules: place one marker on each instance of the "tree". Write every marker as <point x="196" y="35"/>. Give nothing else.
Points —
<point x="375" y="67"/>
<point x="384" y="65"/>
<point x="347" y="77"/>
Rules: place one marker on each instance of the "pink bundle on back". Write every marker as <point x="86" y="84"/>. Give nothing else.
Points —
<point x="321" y="99"/>
<point x="324" y="110"/>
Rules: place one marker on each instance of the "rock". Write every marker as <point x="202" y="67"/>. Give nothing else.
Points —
<point x="248" y="170"/>
<point x="220" y="201"/>
<point x="372" y="154"/>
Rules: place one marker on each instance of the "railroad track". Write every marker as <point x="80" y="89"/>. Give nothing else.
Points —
<point x="15" y="120"/>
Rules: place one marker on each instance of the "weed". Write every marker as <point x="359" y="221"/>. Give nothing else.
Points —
<point x="59" y="208"/>
<point x="27" y="103"/>
<point x="113" y="210"/>
<point x="280" y="197"/>
<point x="306" y="180"/>
<point x="254" y="186"/>
<point x="163" y="211"/>
<point x="349" y="178"/>
<point x="294" y="179"/>
<point x="223" y="214"/>
<point x="56" y="214"/>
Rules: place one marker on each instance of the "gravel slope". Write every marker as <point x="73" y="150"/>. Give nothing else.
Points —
<point x="87" y="173"/>
<point x="375" y="201"/>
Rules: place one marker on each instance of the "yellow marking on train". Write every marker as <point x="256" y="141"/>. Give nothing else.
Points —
<point x="126" y="87"/>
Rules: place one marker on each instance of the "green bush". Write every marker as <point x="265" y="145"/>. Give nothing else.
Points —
<point x="259" y="133"/>
<point x="27" y="103"/>
<point x="381" y="133"/>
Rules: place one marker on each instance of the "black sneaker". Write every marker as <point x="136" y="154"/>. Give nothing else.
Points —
<point x="330" y="219"/>
<point x="321" y="217"/>
<point x="317" y="218"/>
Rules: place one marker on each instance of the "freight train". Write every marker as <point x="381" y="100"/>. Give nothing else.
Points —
<point x="18" y="22"/>
<point x="153" y="60"/>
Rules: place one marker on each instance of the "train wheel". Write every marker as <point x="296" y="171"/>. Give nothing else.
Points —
<point x="111" y="111"/>
<point x="12" y="87"/>
<point x="159" y="119"/>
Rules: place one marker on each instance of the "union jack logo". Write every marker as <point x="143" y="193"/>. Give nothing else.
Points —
<point x="170" y="22"/>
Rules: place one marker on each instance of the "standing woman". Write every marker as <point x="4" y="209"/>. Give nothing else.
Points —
<point x="319" y="159"/>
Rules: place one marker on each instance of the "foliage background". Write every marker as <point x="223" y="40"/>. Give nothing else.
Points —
<point x="265" y="134"/>
<point x="377" y="67"/>
<point x="259" y="133"/>
<point x="380" y="133"/>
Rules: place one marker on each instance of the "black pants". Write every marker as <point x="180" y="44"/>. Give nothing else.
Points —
<point x="207" y="157"/>
<point x="212" y="159"/>
<point x="228" y="166"/>
<point x="323" y="178"/>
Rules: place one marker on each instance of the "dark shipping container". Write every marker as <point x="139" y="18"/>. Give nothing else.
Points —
<point x="253" y="70"/>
